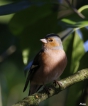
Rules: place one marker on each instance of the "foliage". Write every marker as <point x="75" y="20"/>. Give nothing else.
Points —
<point x="32" y="21"/>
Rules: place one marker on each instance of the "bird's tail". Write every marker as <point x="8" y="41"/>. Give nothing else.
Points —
<point x="26" y="84"/>
<point x="34" y="88"/>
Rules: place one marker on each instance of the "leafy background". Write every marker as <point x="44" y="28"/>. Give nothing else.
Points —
<point x="22" y="24"/>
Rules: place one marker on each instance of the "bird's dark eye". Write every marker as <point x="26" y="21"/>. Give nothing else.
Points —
<point x="50" y="40"/>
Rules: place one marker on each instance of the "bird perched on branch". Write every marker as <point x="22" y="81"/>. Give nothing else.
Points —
<point x="47" y="65"/>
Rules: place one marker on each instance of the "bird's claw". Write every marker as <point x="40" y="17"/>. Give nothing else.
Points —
<point x="56" y="83"/>
<point x="47" y="90"/>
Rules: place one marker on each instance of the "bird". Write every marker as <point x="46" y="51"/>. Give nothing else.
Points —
<point x="48" y="64"/>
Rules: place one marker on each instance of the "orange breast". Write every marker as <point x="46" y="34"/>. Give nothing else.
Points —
<point x="52" y="65"/>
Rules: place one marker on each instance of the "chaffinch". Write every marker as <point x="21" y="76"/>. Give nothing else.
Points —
<point x="47" y="65"/>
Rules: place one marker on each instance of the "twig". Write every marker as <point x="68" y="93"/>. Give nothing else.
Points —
<point x="8" y="52"/>
<point x="36" y="98"/>
<point x="75" y="10"/>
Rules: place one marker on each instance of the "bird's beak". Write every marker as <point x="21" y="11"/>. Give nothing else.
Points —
<point x="43" y="40"/>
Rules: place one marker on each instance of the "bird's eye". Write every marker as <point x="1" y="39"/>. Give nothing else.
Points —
<point x="50" y="40"/>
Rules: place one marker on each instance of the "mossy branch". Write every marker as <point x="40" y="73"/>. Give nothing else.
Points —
<point x="42" y="95"/>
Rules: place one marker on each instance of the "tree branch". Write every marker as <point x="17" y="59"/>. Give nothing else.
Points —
<point x="36" y="98"/>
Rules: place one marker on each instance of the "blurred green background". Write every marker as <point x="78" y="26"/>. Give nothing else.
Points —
<point x="22" y="24"/>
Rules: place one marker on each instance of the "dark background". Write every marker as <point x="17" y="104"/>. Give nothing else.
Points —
<point x="22" y="24"/>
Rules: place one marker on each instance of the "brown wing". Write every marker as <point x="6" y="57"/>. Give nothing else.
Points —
<point x="33" y="69"/>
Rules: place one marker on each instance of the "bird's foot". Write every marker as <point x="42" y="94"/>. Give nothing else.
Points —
<point x="56" y="83"/>
<point x="47" y="90"/>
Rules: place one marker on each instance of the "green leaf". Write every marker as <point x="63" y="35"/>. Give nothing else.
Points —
<point x="84" y="32"/>
<point x="74" y="21"/>
<point x="74" y="24"/>
<point x="84" y="10"/>
<point x="28" y="17"/>
<point x="67" y="21"/>
<point x="73" y="46"/>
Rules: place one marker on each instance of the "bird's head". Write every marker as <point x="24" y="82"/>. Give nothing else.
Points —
<point x="52" y="41"/>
